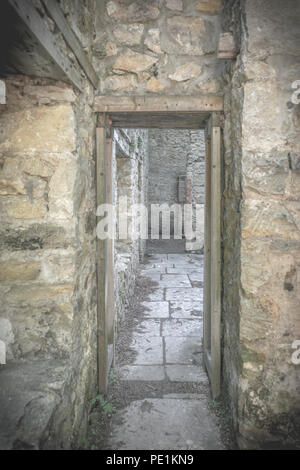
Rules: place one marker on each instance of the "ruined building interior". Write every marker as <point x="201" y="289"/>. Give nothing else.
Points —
<point x="150" y="342"/>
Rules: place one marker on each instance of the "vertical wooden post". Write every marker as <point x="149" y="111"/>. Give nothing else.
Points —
<point x="110" y="284"/>
<point x="207" y="251"/>
<point x="216" y="255"/>
<point x="101" y="261"/>
<point x="212" y="250"/>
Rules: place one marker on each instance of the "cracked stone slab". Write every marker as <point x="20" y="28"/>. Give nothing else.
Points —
<point x="182" y="396"/>
<point x="149" y="328"/>
<point x="194" y="265"/>
<point x="174" y="280"/>
<point x="156" y="265"/>
<point x="154" y="276"/>
<point x="156" y="309"/>
<point x="183" y="270"/>
<point x="156" y="296"/>
<point x="148" y="349"/>
<point x="158" y="257"/>
<point x="183" y="350"/>
<point x="196" y="276"/>
<point x="186" y="373"/>
<point x="186" y="309"/>
<point x="176" y="257"/>
<point x="143" y="373"/>
<point x="182" y="327"/>
<point x="165" y="423"/>
<point x="146" y="272"/>
<point x="184" y="293"/>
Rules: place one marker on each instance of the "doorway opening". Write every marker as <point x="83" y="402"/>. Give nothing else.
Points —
<point x="185" y="272"/>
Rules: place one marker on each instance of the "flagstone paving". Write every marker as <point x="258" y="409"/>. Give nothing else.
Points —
<point x="167" y="345"/>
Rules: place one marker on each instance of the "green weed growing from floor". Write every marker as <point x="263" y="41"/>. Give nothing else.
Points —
<point x="107" y="408"/>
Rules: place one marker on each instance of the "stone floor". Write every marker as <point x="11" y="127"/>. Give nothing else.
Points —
<point x="168" y="348"/>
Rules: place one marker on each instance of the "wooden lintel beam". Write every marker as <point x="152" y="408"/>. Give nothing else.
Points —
<point x="30" y="16"/>
<point x="148" y="104"/>
<point x="58" y="17"/>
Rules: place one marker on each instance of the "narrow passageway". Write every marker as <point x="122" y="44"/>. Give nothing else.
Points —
<point x="172" y="410"/>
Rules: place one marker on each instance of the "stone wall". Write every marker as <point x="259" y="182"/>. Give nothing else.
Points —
<point x="158" y="46"/>
<point x="47" y="199"/>
<point x="131" y="163"/>
<point x="174" y="153"/>
<point x="261" y="224"/>
<point x="47" y="237"/>
<point x="168" y="154"/>
<point x="38" y="168"/>
<point x="196" y="187"/>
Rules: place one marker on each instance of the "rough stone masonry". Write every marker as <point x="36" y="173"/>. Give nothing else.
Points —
<point x="48" y="313"/>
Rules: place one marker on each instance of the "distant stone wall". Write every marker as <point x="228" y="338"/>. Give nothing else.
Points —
<point x="168" y="154"/>
<point x="131" y="181"/>
<point x="261" y="226"/>
<point x="158" y="46"/>
<point x="174" y="153"/>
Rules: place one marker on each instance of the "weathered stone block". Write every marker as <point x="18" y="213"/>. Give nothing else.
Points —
<point x="155" y="86"/>
<point x="43" y="293"/>
<point x="44" y="330"/>
<point x="188" y="33"/>
<point x="10" y="186"/>
<point x="175" y="5"/>
<point x="152" y="40"/>
<point x="39" y="164"/>
<point x="58" y="267"/>
<point x="111" y="49"/>
<point x="128" y="34"/>
<point x="48" y="94"/>
<point x="61" y="185"/>
<point x="209" y="86"/>
<point x="266" y="173"/>
<point x="44" y="128"/>
<point x="262" y="116"/>
<point x="134" y="62"/>
<point x="24" y="209"/>
<point x="185" y="72"/>
<point x="35" y="237"/>
<point x="11" y="271"/>
<point x="226" y="47"/>
<point x="136" y="12"/>
<point x="209" y="6"/>
<point x="265" y="218"/>
<point x="123" y="83"/>
<point x="259" y="70"/>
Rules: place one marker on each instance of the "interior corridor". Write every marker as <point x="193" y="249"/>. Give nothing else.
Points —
<point x="166" y="362"/>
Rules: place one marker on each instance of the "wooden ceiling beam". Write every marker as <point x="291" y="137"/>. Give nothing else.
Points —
<point x="34" y="22"/>
<point x="58" y="17"/>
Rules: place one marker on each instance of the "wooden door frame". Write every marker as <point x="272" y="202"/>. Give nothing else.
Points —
<point x="125" y="110"/>
<point x="212" y="255"/>
<point x="104" y="255"/>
